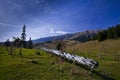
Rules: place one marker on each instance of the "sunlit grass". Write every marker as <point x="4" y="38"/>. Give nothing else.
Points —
<point x="31" y="66"/>
<point x="107" y="53"/>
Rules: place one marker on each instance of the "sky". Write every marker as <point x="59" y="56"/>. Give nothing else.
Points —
<point x="45" y="18"/>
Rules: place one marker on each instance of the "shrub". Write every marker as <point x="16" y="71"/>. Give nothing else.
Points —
<point x="38" y="53"/>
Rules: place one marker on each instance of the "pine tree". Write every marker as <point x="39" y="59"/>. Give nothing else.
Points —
<point x="17" y="42"/>
<point x="59" y="46"/>
<point x="9" y="47"/>
<point x="23" y="37"/>
<point x="30" y="44"/>
<point x="110" y="33"/>
<point x="7" y="43"/>
<point x="100" y="36"/>
<point x="117" y="28"/>
<point x="115" y="33"/>
<point x="104" y="34"/>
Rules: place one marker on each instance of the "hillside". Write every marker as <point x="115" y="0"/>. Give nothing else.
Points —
<point x="79" y="36"/>
<point x="107" y="53"/>
<point x="31" y="66"/>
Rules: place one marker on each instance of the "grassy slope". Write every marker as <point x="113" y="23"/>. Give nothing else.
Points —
<point x="107" y="53"/>
<point x="22" y="68"/>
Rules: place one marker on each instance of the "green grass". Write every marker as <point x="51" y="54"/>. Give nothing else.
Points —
<point x="107" y="53"/>
<point x="18" y="67"/>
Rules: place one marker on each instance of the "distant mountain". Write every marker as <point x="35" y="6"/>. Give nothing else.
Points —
<point x="79" y="36"/>
<point x="53" y="38"/>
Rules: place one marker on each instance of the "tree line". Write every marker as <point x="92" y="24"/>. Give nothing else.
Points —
<point x="110" y="33"/>
<point x="19" y="42"/>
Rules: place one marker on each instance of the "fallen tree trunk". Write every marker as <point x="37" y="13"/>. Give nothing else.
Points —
<point x="80" y="60"/>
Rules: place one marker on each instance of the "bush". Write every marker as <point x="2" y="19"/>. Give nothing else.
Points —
<point x="38" y="53"/>
<point x="34" y="62"/>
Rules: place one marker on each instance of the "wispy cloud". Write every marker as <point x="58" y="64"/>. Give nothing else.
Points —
<point x="6" y="24"/>
<point x="61" y="32"/>
<point x="62" y="16"/>
<point x="52" y="31"/>
<point x="8" y="35"/>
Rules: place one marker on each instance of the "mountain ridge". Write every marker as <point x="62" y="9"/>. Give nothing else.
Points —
<point x="78" y="36"/>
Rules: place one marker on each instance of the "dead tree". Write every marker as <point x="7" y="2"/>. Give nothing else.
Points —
<point x="61" y="47"/>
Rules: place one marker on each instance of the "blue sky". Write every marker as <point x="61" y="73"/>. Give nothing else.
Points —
<point x="55" y="17"/>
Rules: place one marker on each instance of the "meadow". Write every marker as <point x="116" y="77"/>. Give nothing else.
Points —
<point x="40" y="65"/>
<point x="107" y="53"/>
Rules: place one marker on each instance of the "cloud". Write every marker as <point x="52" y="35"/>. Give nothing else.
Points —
<point x="61" y="32"/>
<point x="52" y="31"/>
<point x="6" y="24"/>
<point x="8" y="35"/>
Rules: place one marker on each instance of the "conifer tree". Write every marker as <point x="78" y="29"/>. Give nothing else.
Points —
<point x="110" y="33"/>
<point x="30" y="44"/>
<point x="7" y="43"/>
<point x="100" y="36"/>
<point x="117" y="28"/>
<point x="17" y="41"/>
<point x="23" y="37"/>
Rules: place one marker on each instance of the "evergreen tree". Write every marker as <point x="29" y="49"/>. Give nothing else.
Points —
<point x="9" y="47"/>
<point x="17" y="42"/>
<point x="117" y="29"/>
<point x="59" y="46"/>
<point x="104" y="34"/>
<point x="7" y="43"/>
<point x="23" y="37"/>
<point x="110" y="33"/>
<point x="115" y="33"/>
<point x="94" y="37"/>
<point x="30" y="44"/>
<point x="100" y="36"/>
